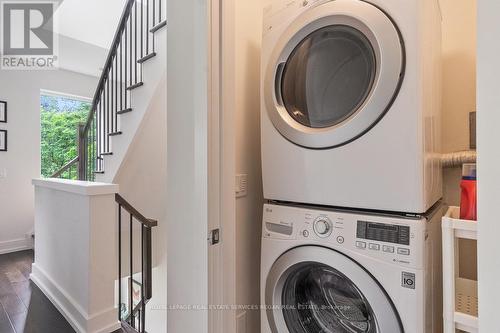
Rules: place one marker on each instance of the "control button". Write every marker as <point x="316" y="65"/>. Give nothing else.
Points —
<point x="361" y="245"/>
<point x="388" y="249"/>
<point x="305" y="233"/>
<point x="340" y="240"/>
<point x="405" y="252"/>
<point x="323" y="227"/>
<point x="374" y="247"/>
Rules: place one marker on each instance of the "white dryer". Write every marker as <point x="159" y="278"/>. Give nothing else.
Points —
<point x="351" y="103"/>
<point x="344" y="272"/>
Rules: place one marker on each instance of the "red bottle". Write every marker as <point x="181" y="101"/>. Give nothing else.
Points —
<point x="468" y="200"/>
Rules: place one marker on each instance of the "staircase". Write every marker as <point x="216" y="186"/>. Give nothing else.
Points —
<point x="134" y="67"/>
<point x="134" y="72"/>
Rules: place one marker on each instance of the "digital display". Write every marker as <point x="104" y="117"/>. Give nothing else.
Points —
<point x="389" y="233"/>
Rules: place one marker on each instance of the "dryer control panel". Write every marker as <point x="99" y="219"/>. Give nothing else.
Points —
<point x="389" y="238"/>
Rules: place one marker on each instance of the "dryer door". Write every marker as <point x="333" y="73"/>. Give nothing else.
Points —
<point x="334" y="73"/>
<point x="313" y="289"/>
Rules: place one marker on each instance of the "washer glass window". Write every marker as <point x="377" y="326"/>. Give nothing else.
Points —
<point x="328" y="76"/>
<point x="318" y="298"/>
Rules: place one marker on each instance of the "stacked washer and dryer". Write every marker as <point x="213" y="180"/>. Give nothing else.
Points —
<point x="350" y="158"/>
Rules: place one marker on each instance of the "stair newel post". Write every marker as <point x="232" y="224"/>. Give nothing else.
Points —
<point x="81" y="153"/>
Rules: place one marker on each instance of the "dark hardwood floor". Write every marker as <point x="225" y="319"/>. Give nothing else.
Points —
<point x="23" y="307"/>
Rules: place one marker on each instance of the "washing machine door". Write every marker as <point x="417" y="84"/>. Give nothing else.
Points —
<point x="313" y="289"/>
<point x="334" y="73"/>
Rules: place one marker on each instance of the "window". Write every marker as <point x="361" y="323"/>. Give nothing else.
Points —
<point x="60" y="116"/>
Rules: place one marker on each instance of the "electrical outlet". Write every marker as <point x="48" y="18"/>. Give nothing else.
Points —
<point x="241" y="184"/>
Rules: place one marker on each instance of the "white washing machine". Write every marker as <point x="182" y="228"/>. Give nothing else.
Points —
<point x="351" y="103"/>
<point x="344" y="272"/>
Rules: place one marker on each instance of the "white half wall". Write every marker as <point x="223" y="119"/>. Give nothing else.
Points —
<point x="21" y="163"/>
<point x="76" y="251"/>
<point x="488" y="120"/>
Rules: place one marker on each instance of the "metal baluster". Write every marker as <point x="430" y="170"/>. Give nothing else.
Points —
<point x="136" y="43"/>
<point x="147" y="27"/>
<point x="119" y="261"/>
<point x="86" y="154"/>
<point x="116" y="93"/>
<point x="108" y="106"/>
<point x="131" y="50"/>
<point x="131" y="306"/>
<point x="99" y="138"/>
<point x="94" y="156"/>
<point x="99" y="134"/>
<point x="154" y="15"/>
<point x="125" y="81"/>
<point x="94" y="160"/>
<point x="111" y="99"/>
<point x="143" y="284"/>
<point x="106" y="100"/>
<point x="87" y="146"/>
<point x="121" y="76"/>
<point x="142" y="30"/>
<point x="159" y="11"/>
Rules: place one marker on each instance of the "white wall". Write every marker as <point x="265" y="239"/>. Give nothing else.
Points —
<point x="187" y="96"/>
<point x="488" y="97"/>
<point x="247" y="39"/>
<point x="81" y="57"/>
<point x="21" y="89"/>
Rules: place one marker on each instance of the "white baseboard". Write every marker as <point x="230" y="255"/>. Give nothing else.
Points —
<point x="103" y="322"/>
<point x="15" y="245"/>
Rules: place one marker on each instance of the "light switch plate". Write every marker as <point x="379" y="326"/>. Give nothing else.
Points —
<point x="3" y="173"/>
<point x="241" y="184"/>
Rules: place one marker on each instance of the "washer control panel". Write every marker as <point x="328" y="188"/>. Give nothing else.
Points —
<point x="394" y="239"/>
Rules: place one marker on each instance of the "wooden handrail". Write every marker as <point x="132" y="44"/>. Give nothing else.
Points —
<point x="67" y="166"/>
<point x="150" y="223"/>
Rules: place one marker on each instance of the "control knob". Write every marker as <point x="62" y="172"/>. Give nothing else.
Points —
<point x="323" y="227"/>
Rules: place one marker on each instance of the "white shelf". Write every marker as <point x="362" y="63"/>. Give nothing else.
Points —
<point x="462" y="228"/>
<point x="459" y="295"/>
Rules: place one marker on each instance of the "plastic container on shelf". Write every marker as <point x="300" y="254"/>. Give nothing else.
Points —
<point x="468" y="198"/>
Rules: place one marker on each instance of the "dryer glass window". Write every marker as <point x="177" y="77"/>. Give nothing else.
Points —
<point x="318" y="298"/>
<point x="328" y="76"/>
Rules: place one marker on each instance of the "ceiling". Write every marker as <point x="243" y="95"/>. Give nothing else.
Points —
<point x="90" y="21"/>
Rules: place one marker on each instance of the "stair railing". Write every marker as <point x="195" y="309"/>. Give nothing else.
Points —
<point x="68" y="171"/>
<point x="132" y="45"/>
<point x="132" y="311"/>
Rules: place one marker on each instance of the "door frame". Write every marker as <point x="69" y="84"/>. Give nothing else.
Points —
<point x="221" y="168"/>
